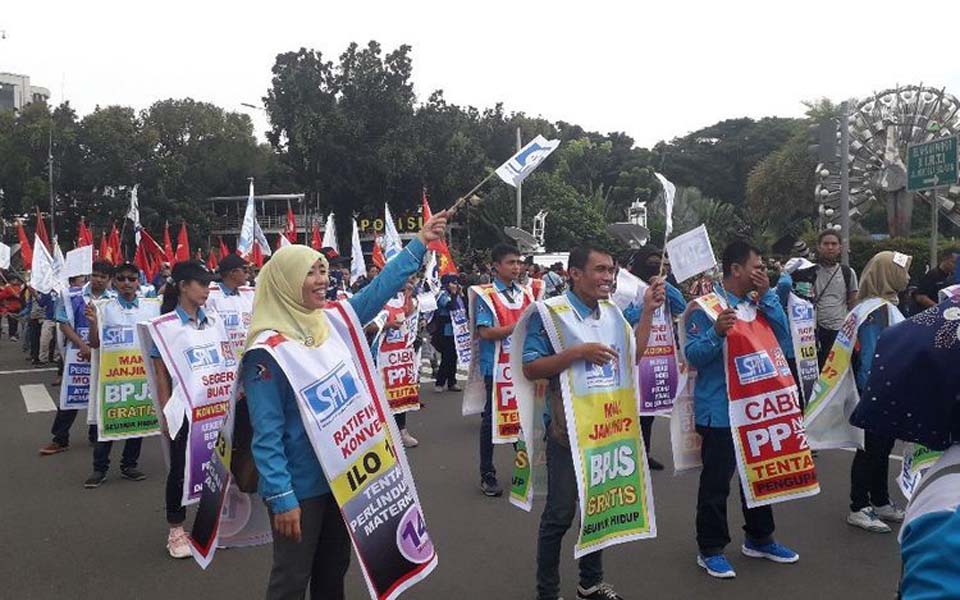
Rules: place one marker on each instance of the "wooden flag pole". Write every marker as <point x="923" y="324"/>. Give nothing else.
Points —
<point x="463" y="199"/>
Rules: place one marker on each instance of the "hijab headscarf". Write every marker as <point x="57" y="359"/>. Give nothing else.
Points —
<point x="278" y="301"/>
<point x="885" y="276"/>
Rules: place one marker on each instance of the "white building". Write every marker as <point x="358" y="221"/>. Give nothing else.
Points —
<point x="16" y="91"/>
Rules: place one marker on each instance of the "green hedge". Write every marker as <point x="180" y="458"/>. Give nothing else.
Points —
<point x="863" y="249"/>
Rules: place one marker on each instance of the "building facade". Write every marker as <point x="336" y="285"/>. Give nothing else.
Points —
<point x="16" y="92"/>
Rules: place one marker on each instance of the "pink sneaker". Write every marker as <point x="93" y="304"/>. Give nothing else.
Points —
<point x="177" y="544"/>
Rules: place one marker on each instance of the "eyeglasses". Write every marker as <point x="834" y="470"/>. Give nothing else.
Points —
<point x="121" y="278"/>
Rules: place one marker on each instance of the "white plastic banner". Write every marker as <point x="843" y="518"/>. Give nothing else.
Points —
<point x="79" y="261"/>
<point x="691" y="254"/>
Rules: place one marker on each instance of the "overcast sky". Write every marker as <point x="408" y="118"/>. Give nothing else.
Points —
<point x="655" y="70"/>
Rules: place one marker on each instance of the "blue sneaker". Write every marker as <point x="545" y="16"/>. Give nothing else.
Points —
<point x="717" y="566"/>
<point x="772" y="551"/>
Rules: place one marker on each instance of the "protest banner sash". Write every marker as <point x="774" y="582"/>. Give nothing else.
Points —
<point x="397" y="360"/>
<point x="658" y="376"/>
<point x="601" y="408"/>
<point x="952" y="291"/>
<point x="536" y="288"/>
<point x="235" y="311"/>
<point x="917" y="460"/>
<point x="124" y="407"/>
<point x="75" y="387"/>
<point x="461" y="330"/>
<point x="506" y="416"/>
<point x="803" y="333"/>
<point x="834" y="398"/>
<point x="202" y="365"/>
<point x="244" y="520"/>
<point x="217" y="480"/>
<point x="346" y="415"/>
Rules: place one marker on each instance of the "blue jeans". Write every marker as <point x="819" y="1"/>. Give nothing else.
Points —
<point x="557" y="517"/>
<point x="131" y="454"/>
<point x="486" y="432"/>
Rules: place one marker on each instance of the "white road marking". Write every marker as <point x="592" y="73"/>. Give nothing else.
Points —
<point x="37" y="398"/>
<point x="18" y="371"/>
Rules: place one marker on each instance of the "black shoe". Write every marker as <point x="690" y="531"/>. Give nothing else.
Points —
<point x="95" y="480"/>
<point x="490" y="487"/>
<point x="654" y="464"/>
<point x="39" y="365"/>
<point x="455" y="388"/>
<point x="133" y="474"/>
<point x="601" y="591"/>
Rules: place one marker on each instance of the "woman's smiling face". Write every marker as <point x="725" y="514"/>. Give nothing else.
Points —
<point x="315" y="286"/>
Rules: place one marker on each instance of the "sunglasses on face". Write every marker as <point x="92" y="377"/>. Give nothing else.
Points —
<point x="122" y="278"/>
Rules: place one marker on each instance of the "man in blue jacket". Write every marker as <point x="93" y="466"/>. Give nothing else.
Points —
<point x="744" y="280"/>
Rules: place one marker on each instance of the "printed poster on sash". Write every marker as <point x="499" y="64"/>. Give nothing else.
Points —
<point x="917" y="460"/>
<point x="75" y="387"/>
<point x="397" y="359"/>
<point x="203" y="366"/>
<point x="235" y="310"/>
<point x="347" y="418"/>
<point x="461" y="330"/>
<point x="600" y="403"/>
<point x="773" y="458"/>
<point x="803" y="332"/>
<point x="124" y="406"/>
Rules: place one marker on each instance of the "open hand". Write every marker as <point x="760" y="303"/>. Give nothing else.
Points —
<point x="596" y="353"/>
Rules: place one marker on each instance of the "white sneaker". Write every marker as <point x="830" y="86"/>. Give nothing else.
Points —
<point x="439" y="389"/>
<point x="408" y="440"/>
<point x="866" y="518"/>
<point x="889" y="512"/>
<point x="177" y="544"/>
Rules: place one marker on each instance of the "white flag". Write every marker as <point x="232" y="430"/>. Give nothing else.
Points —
<point x="330" y="235"/>
<point x="42" y="277"/>
<point x="669" y="193"/>
<point x="357" y="267"/>
<point x="249" y="227"/>
<point x="261" y="239"/>
<point x="4" y="256"/>
<point x="392" y="245"/>
<point x="431" y="272"/>
<point x="283" y="242"/>
<point x="521" y="164"/>
<point x="79" y="261"/>
<point x="691" y="254"/>
<point x="134" y="212"/>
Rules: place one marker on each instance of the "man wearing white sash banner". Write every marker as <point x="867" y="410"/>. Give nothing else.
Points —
<point x="331" y="467"/>
<point x="232" y="298"/>
<point x="746" y="411"/>
<point x="584" y="345"/>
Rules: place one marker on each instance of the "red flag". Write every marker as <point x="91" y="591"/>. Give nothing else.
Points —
<point x="377" y="255"/>
<point x="149" y="255"/>
<point x="212" y="260"/>
<point x="445" y="262"/>
<point x="26" y="250"/>
<point x="290" y="231"/>
<point x="116" y="253"/>
<point x="42" y="231"/>
<point x="316" y="242"/>
<point x="84" y="235"/>
<point x="183" y="245"/>
<point x="256" y="255"/>
<point x="167" y="244"/>
<point x="223" y="248"/>
<point x="104" y="253"/>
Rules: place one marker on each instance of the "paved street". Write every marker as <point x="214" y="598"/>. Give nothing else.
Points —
<point x="58" y="540"/>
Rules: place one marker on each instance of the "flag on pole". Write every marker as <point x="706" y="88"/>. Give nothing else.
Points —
<point x="444" y="259"/>
<point x="669" y="193"/>
<point x="521" y="164"/>
<point x="212" y="261"/>
<point x="183" y="245"/>
<point x="104" y="248"/>
<point x="261" y="239"/>
<point x="282" y="241"/>
<point x="84" y="235"/>
<point x="256" y="256"/>
<point x="223" y="248"/>
<point x="4" y="256"/>
<point x="59" y="267"/>
<point x="377" y="255"/>
<point x="391" y="238"/>
<point x="290" y="231"/>
<point x="26" y="251"/>
<point x="41" y="232"/>
<point x="330" y="235"/>
<point x="149" y="255"/>
<point x="134" y="212"/>
<point x="357" y="267"/>
<point x="316" y="242"/>
<point x="431" y="272"/>
<point x="249" y="226"/>
<point x="116" y="252"/>
<point x="168" y="244"/>
<point x="42" y="277"/>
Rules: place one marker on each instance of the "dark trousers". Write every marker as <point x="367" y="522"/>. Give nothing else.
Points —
<point x="825" y="339"/>
<point x="131" y="454"/>
<point x="401" y="420"/>
<point x="33" y="332"/>
<point x="62" y="424"/>
<point x="486" y="432"/>
<point x="12" y="325"/>
<point x="447" y="373"/>
<point x="176" y="512"/>
<point x="719" y="466"/>
<point x="646" y="428"/>
<point x="320" y="559"/>
<point x="558" y="514"/>
<point x="869" y="472"/>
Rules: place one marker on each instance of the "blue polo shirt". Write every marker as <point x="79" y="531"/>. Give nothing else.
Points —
<point x="444" y="304"/>
<point x="483" y="317"/>
<point x="537" y="343"/>
<point x="704" y="350"/>
<point x="60" y="313"/>
<point x="227" y="290"/>
<point x="288" y="467"/>
<point x="185" y="319"/>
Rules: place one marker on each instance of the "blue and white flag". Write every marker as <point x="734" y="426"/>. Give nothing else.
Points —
<point x="248" y="230"/>
<point x="392" y="245"/>
<point x="669" y="193"/>
<point x="357" y="266"/>
<point x="330" y="235"/>
<point x="521" y="164"/>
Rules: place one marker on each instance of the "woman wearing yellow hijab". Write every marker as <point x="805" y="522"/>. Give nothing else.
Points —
<point x="311" y="543"/>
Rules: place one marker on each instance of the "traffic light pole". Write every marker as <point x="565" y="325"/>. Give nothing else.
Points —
<point x="844" y="184"/>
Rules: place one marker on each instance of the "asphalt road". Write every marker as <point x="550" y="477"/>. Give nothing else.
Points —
<point x="58" y="540"/>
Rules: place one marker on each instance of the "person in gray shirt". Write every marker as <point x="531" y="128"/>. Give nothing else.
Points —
<point x="835" y="291"/>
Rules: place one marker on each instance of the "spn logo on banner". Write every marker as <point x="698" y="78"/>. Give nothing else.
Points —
<point x="603" y="376"/>
<point x="758" y="366"/>
<point x="210" y="355"/>
<point x="329" y="395"/>
<point x="118" y="335"/>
